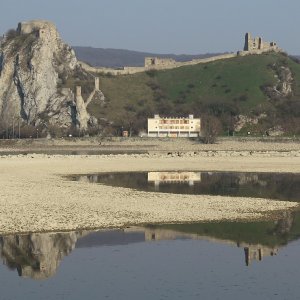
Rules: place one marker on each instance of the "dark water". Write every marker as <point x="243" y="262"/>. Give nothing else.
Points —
<point x="73" y="152"/>
<point x="197" y="261"/>
<point x="259" y="185"/>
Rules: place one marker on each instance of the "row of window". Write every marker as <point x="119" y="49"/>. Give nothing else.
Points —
<point x="174" y="177"/>
<point x="175" y="127"/>
<point x="174" y="121"/>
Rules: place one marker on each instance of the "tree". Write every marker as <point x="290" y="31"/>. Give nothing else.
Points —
<point x="2" y="129"/>
<point x="211" y="127"/>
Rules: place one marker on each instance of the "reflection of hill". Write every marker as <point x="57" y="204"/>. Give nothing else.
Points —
<point x="258" y="239"/>
<point x="36" y="255"/>
<point x="258" y="185"/>
<point x="252" y="251"/>
<point x="268" y="233"/>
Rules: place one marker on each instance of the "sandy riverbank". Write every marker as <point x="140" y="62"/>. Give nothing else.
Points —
<point x="150" y="145"/>
<point x="35" y="197"/>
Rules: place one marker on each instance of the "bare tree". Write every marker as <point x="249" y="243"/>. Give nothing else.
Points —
<point x="211" y="127"/>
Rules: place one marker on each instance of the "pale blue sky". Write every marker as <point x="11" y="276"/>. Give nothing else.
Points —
<point x="163" y="26"/>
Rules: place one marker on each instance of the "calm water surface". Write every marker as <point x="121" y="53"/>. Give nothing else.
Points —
<point x="220" y="260"/>
<point x="259" y="185"/>
<point x="197" y="261"/>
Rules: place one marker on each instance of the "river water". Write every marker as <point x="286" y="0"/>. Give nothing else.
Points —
<point x="218" y="260"/>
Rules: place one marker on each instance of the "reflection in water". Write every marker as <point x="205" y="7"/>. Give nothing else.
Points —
<point x="173" y="177"/>
<point x="252" y="252"/>
<point x="38" y="255"/>
<point x="259" y="185"/>
<point x="257" y="253"/>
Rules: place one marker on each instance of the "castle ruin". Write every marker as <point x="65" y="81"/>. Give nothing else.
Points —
<point x="257" y="44"/>
<point x="252" y="46"/>
<point x="41" y="28"/>
<point x="152" y="62"/>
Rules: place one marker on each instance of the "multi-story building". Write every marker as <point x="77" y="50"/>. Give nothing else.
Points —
<point x="174" y="127"/>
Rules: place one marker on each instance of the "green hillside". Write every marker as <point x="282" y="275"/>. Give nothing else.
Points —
<point x="224" y="89"/>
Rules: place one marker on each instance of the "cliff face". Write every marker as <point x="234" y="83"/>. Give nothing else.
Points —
<point x="33" y="63"/>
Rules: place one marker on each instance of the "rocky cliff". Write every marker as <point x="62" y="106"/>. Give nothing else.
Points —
<point x="34" y="62"/>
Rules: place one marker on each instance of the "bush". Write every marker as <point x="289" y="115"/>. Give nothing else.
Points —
<point x="28" y="131"/>
<point x="211" y="127"/>
<point x="55" y="131"/>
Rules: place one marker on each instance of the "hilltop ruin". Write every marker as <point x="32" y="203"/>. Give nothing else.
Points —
<point x="251" y="47"/>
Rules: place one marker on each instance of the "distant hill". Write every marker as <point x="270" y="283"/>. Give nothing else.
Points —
<point x="116" y="58"/>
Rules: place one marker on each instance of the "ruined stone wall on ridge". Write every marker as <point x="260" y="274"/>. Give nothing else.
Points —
<point x="155" y="62"/>
<point x="111" y="71"/>
<point x="252" y="46"/>
<point x="164" y="64"/>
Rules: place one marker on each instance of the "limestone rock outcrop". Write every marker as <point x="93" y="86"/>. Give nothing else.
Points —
<point x="285" y="82"/>
<point x="284" y="85"/>
<point x="34" y="62"/>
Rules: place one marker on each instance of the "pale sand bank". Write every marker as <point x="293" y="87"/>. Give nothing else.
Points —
<point x="150" y="144"/>
<point x="34" y="197"/>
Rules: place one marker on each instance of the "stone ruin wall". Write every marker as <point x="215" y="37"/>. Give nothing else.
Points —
<point x="154" y="62"/>
<point x="164" y="64"/>
<point x="42" y="29"/>
<point x="257" y="46"/>
<point x="252" y="47"/>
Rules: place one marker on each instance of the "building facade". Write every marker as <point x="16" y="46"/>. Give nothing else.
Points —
<point x="174" y="127"/>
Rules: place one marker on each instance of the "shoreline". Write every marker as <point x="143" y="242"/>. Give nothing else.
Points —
<point x="35" y="196"/>
<point x="151" y="144"/>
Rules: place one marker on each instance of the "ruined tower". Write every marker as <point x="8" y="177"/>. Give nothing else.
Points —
<point x="247" y="41"/>
<point x="253" y="43"/>
<point x="257" y="44"/>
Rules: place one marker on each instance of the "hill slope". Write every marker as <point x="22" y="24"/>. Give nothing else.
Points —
<point x="265" y="88"/>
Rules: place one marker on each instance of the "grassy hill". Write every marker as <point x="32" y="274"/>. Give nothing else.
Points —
<point x="224" y="89"/>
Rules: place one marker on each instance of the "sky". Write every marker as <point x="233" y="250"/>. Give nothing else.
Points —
<point x="163" y="26"/>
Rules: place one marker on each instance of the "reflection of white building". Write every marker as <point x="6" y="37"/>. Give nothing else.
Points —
<point x="174" y="127"/>
<point x="173" y="177"/>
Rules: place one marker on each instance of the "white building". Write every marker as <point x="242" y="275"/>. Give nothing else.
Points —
<point x="174" y="127"/>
